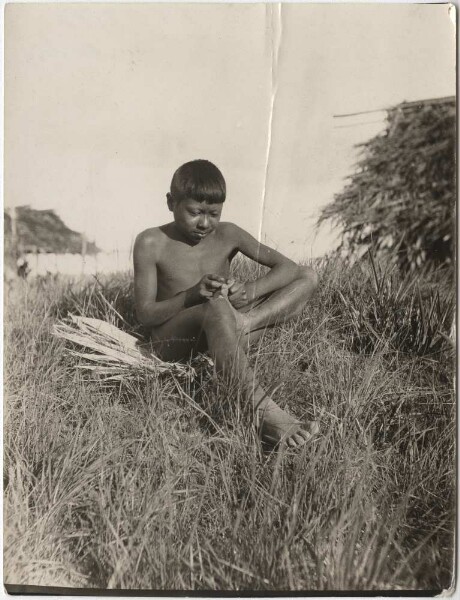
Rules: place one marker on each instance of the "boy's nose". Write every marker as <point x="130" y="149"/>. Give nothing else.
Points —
<point x="203" y="222"/>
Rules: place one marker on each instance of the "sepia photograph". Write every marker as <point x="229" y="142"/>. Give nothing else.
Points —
<point x="229" y="298"/>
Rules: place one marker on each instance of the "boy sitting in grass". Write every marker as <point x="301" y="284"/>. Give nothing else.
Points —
<point x="184" y="292"/>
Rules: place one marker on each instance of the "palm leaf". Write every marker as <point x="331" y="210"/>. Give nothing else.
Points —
<point x="114" y="352"/>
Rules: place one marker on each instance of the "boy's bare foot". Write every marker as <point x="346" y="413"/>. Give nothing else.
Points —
<point x="278" y="427"/>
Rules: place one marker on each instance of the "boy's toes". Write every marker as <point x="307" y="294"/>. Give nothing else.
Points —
<point x="302" y="436"/>
<point x="305" y="435"/>
<point x="297" y="439"/>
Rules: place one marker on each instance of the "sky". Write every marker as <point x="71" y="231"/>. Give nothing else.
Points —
<point x="104" y="101"/>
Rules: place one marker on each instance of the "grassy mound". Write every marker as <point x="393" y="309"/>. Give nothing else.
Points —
<point x="142" y="485"/>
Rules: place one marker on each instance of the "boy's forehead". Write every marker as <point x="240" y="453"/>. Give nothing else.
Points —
<point x="192" y="202"/>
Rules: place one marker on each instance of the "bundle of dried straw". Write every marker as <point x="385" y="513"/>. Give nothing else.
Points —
<point x="115" y="355"/>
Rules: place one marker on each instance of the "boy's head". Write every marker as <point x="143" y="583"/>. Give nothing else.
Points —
<point x="200" y="180"/>
<point x="197" y="194"/>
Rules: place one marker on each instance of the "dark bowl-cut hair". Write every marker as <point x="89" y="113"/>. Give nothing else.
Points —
<point x="200" y="180"/>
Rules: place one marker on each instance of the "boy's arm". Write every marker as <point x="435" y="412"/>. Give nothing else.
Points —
<point x="282" y="270"/>
<point x="150" y="312"/>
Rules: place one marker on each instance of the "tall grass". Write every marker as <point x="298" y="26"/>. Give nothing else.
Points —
<point x="140" y="485"/>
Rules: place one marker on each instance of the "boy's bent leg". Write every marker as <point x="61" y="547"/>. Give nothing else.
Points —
<point x="186" y="333"/>
<point x="282" y="305"/>
<point x="222" y="327"/>
<point x="217" y="325"/>
<point x="182" y="336"/>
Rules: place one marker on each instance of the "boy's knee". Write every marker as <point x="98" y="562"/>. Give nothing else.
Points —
<point x="307" y="274"/>
<point x="219" y="310"/>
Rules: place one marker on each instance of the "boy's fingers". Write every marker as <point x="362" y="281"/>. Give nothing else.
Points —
<point x="215" y="284"/>
<point x="209" y="281"/>
<point x="217" y="278"/>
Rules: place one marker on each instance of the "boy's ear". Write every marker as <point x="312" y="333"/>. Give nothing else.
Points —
<point x="169" y="200"/>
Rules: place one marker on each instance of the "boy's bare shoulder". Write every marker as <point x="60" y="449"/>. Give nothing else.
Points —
<point x="149" y="240"/>
<point x="230" y="231"/>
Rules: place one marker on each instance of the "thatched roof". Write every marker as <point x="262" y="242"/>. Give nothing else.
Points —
<point x="401" y="197"/>
<point x="44" y="231"/>
<point x="445" y="100"/>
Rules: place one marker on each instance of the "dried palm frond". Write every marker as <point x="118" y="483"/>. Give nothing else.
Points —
<point x="115" y="355"/>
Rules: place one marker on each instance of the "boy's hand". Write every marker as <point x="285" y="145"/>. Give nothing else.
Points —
<point x="206" y="288"/>
<point x="237" y="293"/>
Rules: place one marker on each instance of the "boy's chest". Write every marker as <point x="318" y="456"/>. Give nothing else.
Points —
<point x="182" y="266"/>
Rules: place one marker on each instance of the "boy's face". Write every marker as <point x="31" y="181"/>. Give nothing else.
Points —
<point x="195" y="220"/>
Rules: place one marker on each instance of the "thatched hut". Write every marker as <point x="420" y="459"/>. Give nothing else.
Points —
<point x="401" y="199"/>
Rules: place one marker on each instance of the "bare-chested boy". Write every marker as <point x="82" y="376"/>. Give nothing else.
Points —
<point x="181" y="275"/>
